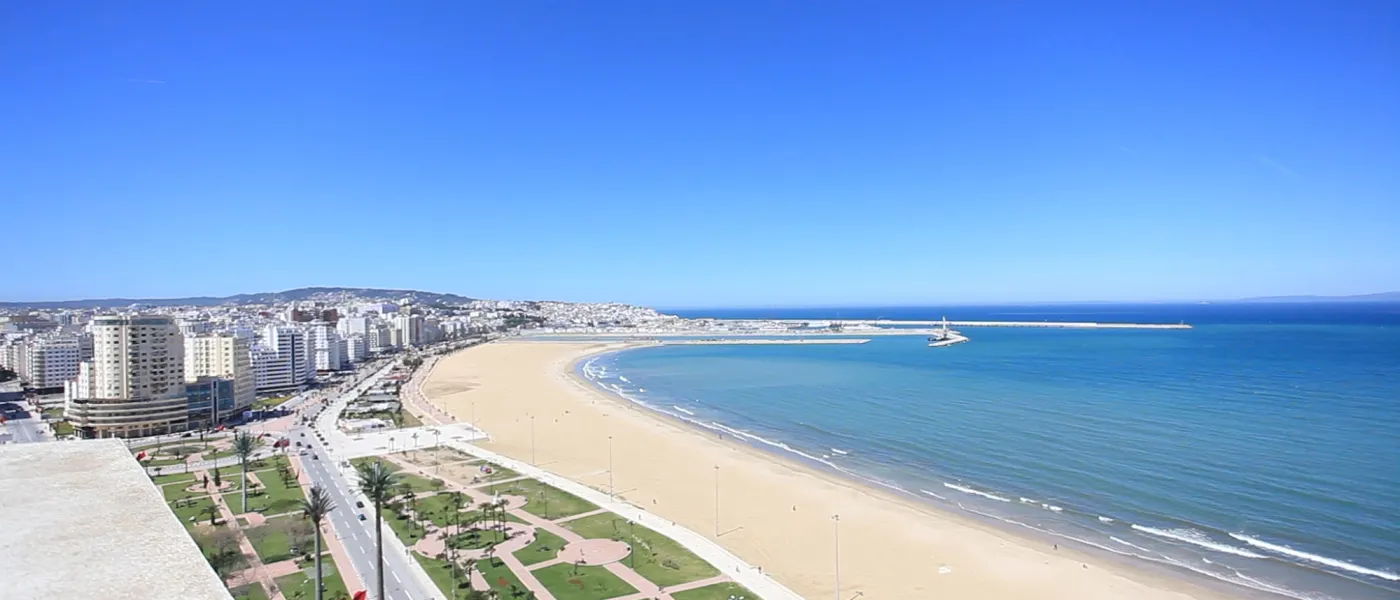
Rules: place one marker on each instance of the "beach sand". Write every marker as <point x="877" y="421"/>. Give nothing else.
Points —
<point x="774" y="513"/>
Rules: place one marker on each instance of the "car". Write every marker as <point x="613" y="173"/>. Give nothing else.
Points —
<point x="361" y="516"/>
<point x="359" y="504"/>
<point x="313" y="457"/>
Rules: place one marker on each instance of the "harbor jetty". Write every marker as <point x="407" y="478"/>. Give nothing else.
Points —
<point x="1051" y="324"/>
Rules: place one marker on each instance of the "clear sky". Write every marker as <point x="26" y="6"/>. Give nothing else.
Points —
<point x="702" y="153"/>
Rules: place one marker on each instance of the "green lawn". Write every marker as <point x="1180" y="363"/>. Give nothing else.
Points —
<point x="299" y="585"/>
<point x="192" y="508"/>
<point x="718" y="591"/>
<point x="420" y="484"/>
<point x="271" y="541"/>
<point x="264" y="403"/>
<point x="176" y="491"/>
<point x="544" y="500"/>
<point x="268" y="462"/>
<point x="591" y="583"/>
<point x="55" y="412"/>
<point x="63" y="428"/>
<point x="277" y="497"/>
<point x="388" y="466"/>
<point x="173" y="478"/>
<point x="496" y="573"/>
<point x="545" y="547"/>
<point x="408" y="532"/>
<point x="659" y="558"/>
<point x="252" y="591"/>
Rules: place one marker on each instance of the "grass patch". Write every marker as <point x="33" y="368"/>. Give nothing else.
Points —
<point x="177" y="491"/>
<point x="301" y="585"/>
<point x="410" y="420"/>
<point x="257" y="443"/>
<point x="55" y="412"/>
<point x="271" y="541"/>
<point x="63" y="428"/>
<point x="718" y="591"/>
<point x="420" y="484"/>
<point x="543" y="500"/>
<point x="496" y="573"/>
<point x="276" y="497"/>
<point x="268" y="462"/>
<point x="658" y="558"/>
<point x="545" y="547"/>
<point x="173" y="478"/>
<point x="365" y="460"/>
<point x="582" y="583"/>
<point x="252" y="591"/>
<point x="266" y="403"/>
<point x="408" y="532"/>
<point x="191" y="508"/>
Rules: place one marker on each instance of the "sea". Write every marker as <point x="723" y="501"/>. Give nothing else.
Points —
<point x="1260" y="449"/>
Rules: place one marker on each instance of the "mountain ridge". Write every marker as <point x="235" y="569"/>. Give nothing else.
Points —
<point x="292" y="295"/>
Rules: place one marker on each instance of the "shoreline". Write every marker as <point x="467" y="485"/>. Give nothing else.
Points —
<point x="1134" y="568"/>
<point x="978" y="558"/>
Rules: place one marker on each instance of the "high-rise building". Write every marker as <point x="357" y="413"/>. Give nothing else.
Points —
<point x="379" y="337"/>
<point x="224" y="356"/>
<point x="356" y="348"/>
<point x="282" y="361"/>
<point x="349" y="326"/>
<point x="50" y="360"/>
<point x="135" y="384"/>
<point x="410" y="329"/>
<point x="325" y="346"/>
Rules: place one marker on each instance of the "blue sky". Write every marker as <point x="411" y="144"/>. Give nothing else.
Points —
<point x="704" y="153"/>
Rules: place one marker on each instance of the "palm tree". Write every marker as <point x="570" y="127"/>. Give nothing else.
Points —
<point x="488" y="510"/>
<point x="243" y="448"/>
<point x="316" y="506"/>
<point x="213" y="511"/>
<point x="377" y="483"/>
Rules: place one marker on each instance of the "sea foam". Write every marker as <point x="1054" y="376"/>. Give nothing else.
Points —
<point x="1191" y="536"/>
<point x="1322" y="560"/>
<point x="968" y="490"/>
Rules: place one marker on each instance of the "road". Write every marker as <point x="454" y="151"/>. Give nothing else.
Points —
<point x="22" y="431"/>
<point x="357" y="535"/>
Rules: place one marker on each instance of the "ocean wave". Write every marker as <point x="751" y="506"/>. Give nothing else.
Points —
<point x="1322" y="560"/>
<point x="1129" y="544"/>
<point x="683" y="410"/>
<point x="968" y="490"/>
<point x="1028" y="500"/>
<point x="839" y="451"/>
<point x="1051" y="507"/>
<point x="1191" y="536"/>
<point x="1105" y="520"/>
<point x="934" y="495"/>
<point x="623" y="379"/>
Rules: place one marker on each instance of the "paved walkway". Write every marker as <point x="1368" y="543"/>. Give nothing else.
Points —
<point x="256" y="570"/>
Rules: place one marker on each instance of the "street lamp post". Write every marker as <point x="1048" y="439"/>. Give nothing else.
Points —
<point x="837" y="536"/>
<point x="716" y="500"/>
<point x="611" y="488"/>
<point x="532" y="439"/>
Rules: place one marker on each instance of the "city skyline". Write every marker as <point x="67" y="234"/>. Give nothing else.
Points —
<point x="735" y="154"/>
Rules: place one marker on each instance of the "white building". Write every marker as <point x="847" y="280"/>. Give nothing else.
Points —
<point x="325" y="346"/>
<point x="135" y="384"/>
<point x="379" y="338"/>
<point x="225" y="356"/>
<point x="51" y="360"/>
<point x="349" y="326"/>
<point x="356" y="348"/>
<point x="410" y="328"/>
<point x="282" y="361"/>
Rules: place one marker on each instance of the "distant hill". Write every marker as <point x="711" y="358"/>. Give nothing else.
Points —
<point x="296" y="295"/>
<point x="1381" y="297"/>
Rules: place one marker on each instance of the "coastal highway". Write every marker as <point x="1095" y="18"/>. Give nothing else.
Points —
<point x="358" y="536"/>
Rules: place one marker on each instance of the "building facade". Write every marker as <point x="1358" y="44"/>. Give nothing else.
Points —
<point x="50" y="361"/>
<point x="224" y="356"/>
<point x="135" y="384"/>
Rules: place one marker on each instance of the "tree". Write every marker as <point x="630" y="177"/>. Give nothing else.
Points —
<point x="218" y="479"/>
<point x="377" y="483"/>
<point x="243" y="445"/>
<point x="213" y="511"/>
<point x="412" y="500"/>
<point x="316" y="506"/>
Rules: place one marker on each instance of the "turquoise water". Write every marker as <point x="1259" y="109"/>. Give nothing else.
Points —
<point x="1264" y="454"/>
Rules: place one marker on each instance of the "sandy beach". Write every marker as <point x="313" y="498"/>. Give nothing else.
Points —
<point x="773" y="512"/>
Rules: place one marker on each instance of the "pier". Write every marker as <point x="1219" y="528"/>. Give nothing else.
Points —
<point x="1050" y="324"/>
